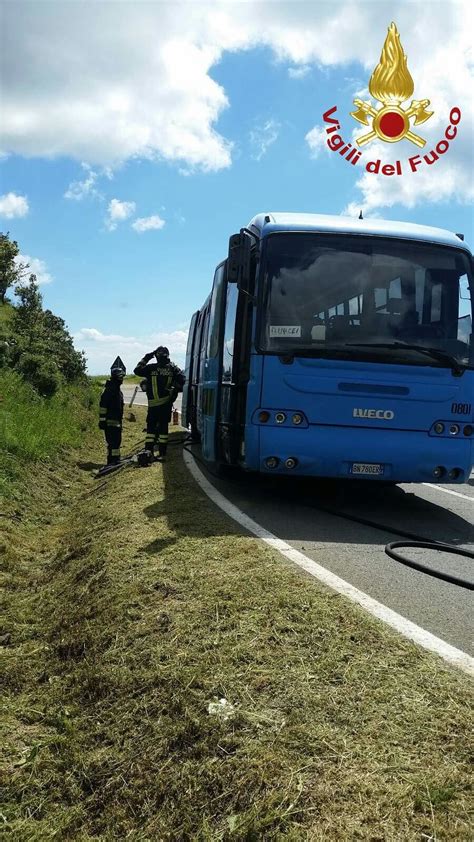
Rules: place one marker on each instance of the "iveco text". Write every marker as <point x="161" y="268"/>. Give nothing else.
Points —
<point x="385" y="414"/>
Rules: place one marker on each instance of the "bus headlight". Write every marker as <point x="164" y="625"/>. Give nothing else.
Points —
<point x="297" y="418"/>
<point x="280" y="417"/>
<point x="272" y="462"/>
<point x="454" y="429"/>
<point x="468" y="430"/>
<point x="438" y="428"/>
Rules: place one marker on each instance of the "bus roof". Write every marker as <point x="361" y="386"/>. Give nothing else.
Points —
<point x="269" y="223"/>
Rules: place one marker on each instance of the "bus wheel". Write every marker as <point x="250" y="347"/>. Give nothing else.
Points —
<point x="224" y="471"/>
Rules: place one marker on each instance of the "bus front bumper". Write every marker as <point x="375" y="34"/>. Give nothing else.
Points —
<point x="368" y="453"/>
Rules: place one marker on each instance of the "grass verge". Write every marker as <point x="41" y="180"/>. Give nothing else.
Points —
<point x="138" y="607"/>
<point x="35" y="429"/>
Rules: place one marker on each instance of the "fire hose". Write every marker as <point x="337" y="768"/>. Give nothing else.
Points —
<point x="416" y="541"/>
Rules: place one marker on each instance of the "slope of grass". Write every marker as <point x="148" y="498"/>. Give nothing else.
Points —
<point x="139" y="607"/>
<point x="34" y="428"/>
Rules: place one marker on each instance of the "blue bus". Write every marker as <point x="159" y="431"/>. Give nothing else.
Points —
<point x="333" y="347"/>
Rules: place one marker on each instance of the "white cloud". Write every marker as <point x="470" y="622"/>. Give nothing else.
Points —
<point x="262" y="137"/>
<point x="102" y="83"/>
<point x="102" y="348"/>
<point x="448" y="178"/>
<point x="148" y="223"/>
<point x="316" y="140"/>
<point x="79" y="190"/>
<point x="118" y="211"/>
<point x="35" y="267"/>
<point x="299" y="72"/>
<point x="12" y="205"/>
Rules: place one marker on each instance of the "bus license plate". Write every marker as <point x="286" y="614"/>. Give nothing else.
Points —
<point x="367" y="469"/>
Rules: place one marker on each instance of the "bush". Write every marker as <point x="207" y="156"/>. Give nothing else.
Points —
<point x="38" y="344"/>
<point x="43" y="374"/>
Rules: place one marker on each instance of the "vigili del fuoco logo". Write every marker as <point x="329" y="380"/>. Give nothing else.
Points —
<point x="391" y="84"/>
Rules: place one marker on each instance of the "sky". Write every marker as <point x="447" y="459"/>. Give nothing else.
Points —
<point x="138" y="136"/>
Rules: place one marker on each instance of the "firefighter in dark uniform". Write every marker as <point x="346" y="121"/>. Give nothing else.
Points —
<point x="163" y="382"/>
<point x="111" y="413"/>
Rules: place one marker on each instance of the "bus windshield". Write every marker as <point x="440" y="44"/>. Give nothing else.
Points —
<point x="366" y="297"/>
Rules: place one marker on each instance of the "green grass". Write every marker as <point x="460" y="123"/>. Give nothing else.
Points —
<point x="137" y="606"/>
<point x="34" y="428"/>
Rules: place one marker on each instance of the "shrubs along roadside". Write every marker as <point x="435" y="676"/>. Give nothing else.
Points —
<point x="45" y="396"/>
<point x="34" y="342"/>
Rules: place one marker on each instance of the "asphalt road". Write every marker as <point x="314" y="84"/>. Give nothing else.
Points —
<point x="140" y="397"/>
<point x="355" y="552"/>
<point x="290" y="509"/>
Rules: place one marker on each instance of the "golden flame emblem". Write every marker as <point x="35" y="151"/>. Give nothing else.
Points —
<point x="391" y="84"/>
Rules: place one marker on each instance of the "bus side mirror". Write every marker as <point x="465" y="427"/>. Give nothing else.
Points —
<point x="239" y="260"/>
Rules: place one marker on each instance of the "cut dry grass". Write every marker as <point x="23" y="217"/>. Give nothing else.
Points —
<point x="143" y="606"/>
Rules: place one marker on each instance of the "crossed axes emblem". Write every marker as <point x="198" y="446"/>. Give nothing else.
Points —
<point x="391" y="122"/>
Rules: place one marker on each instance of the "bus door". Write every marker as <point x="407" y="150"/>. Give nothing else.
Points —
<point x="211" y="376"/>
<point x="186" y="406"/>
<point x="235" y="375"/>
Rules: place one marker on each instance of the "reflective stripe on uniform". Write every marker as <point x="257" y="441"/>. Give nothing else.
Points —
<point x="157" y="399"/>
<point x="154" y="386"/>
<point x="162" y="439"/>
<point x="115" y="452"/>
<point x="150" y="437"/>
<point x="113" y="423"/>
<point x="102" y="410"/>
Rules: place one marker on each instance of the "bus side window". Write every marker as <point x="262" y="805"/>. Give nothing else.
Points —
<point x="205" y="329"/>
<point x="188" y="365"/>
<point x="229" y="332"/>
<point x="197" y="349"/>
<point x="215" y="316"/>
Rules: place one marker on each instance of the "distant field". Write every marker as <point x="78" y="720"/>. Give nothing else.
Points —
<point x="129" y="378"/>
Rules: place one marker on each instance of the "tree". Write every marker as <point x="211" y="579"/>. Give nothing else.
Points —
<point x="42" y="348"/>
<point x="36" y="343"/>
<point x="72" y="363"/>
<point x="10" y="272"/>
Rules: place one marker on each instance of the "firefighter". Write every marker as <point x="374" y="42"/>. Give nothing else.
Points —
<point x="111" y="412"/>
<point x="163" y="382"/>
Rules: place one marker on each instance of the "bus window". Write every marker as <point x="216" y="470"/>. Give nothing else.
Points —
<point x="190" y="347"/>
<point x="215" y="316"/>
<point x="436" y="291"/>
<point x="205" y="329"/>
<point x="197" y="348"/>
<point x="464" y="318"/>
<point x="229" y="332"/>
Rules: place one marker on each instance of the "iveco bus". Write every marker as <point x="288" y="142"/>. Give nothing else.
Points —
<point x="336" y="347"/>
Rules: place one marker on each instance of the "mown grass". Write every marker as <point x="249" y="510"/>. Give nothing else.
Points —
<point x="34" y="429"/>
<point x="143" y="606"/>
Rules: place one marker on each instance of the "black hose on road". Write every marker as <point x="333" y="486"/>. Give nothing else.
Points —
<point x="417" y="542"/>
<point x="430" y="545"/>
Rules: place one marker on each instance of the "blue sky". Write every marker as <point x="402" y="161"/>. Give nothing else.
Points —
<point x="227" y="118"/>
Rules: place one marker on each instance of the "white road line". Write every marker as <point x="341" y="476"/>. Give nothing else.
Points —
<point x="449" y="653"/>
<point x="448" y="491"/>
